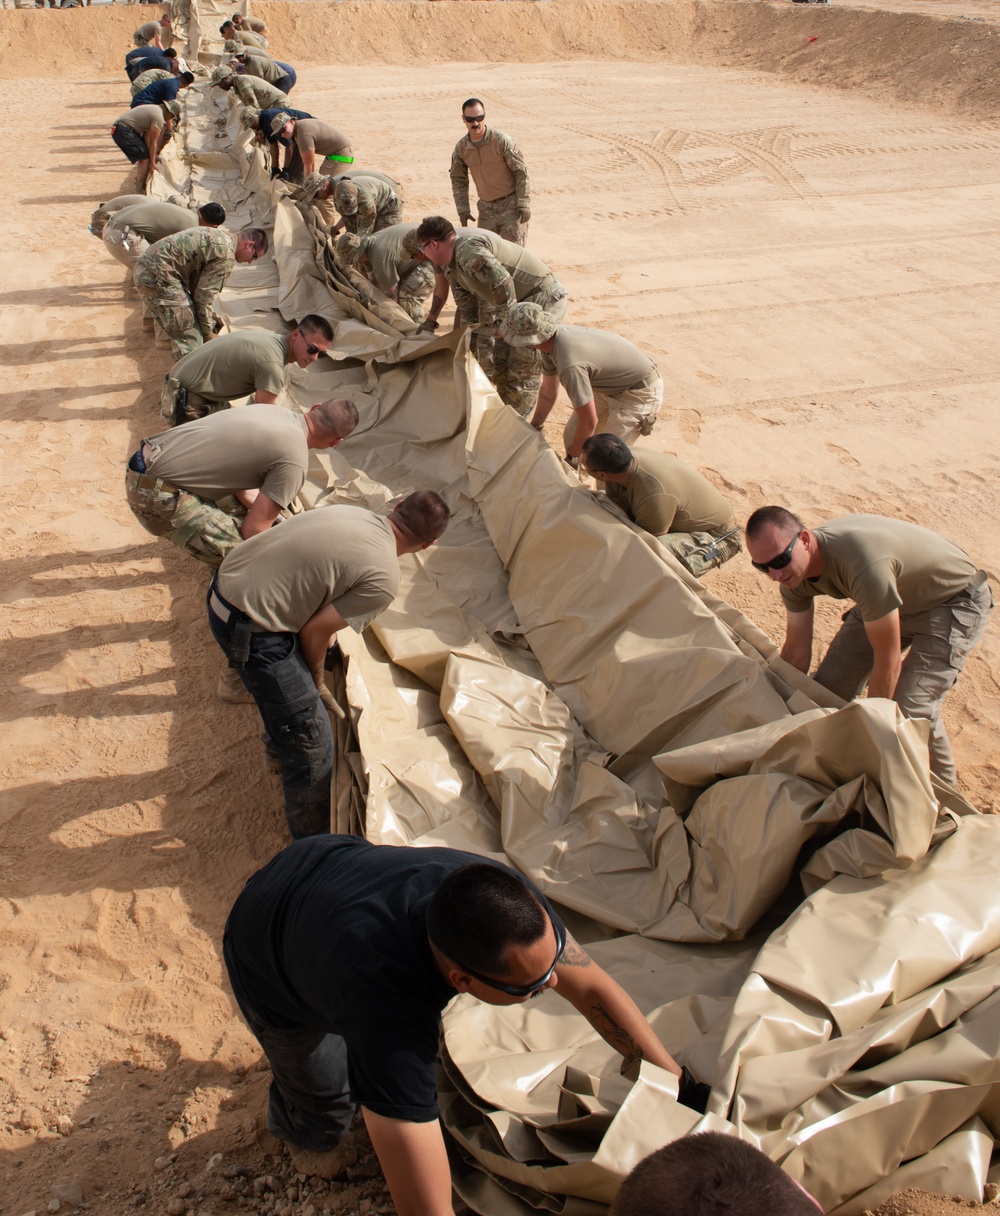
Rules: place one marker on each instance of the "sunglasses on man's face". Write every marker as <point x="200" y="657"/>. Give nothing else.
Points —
<point x="314" y="350"/>
<point x="474" y="118"/>
<point x="525" y="989"/>
<point x="779" y="562"/>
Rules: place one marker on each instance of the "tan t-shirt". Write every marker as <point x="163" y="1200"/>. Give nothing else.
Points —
<point x="253" y="91"/>
<point x="154" y="221"/>
<point x="667" y="495"/>
<point x="344" y="556"/>
<point x="150" y="29"/>
<point x="261" y="447"/>
<point x="255" y="24"/>
<point x="883" y="564"/>
<point x="588" y="359"/>
<point x="386" y="255"/>
<point x="266" y="69"/>
<point x="233" y="365"/>
<point x="312" y="135"/>
<point x="142" y="118"/>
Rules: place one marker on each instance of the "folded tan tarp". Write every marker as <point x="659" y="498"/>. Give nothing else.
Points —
<point x="551" y="687"/>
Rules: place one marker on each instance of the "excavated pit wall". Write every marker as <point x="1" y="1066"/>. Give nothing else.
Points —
<point x="950" y="64"/>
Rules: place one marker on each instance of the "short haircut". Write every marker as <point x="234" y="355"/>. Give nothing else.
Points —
<point x="259" y="238"/>
<point x="434" y="228"/>
<point x="317" y="325"/>
<point x="778" y="517"/>
<point x="187" y="77"/>
<point x="606" y="453"/>
<point x="226" y="25"/>
<point x="212" y="213"/>
<point x="710" y="1174"/>
<point x="169" y="53"/>
<point x="473" y="101"/>
<point x="479" y="911"/>
<point x="337" y="417"/>
<point x="424" y="514"/>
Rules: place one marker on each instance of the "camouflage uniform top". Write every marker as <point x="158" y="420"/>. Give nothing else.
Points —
<point x="149" y="77"/>
<point x="484" y="266"/>
<point x="666" y="495"/>
<point x="197" y="261"/>
<point x="386" y="254"/>
<point x="252" y="91"/>
<point x="373" y="196"/>
<point x="497" y="168"/>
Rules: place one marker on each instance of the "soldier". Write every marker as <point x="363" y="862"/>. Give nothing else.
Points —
<point x="213" y="482"/>
<point x="130" y="232"/>
<point x="913" y="591"/>
<point x="230" y="33"/>
<point x="161" y="91"/>
<point x="150" y="58"/>
<point x="275" y="606"/>
<point x="250" y="90"/>
<point x="312" y="137"/>
<point x="387" y="259"/>
<point x="668" y="498"/>
<point x="151" y="33"/>
<point x="612" y="386"/>
<point x="242" y="21"/>
<point x="281" y="75"/>
<point x="104" y="211"/>
<point x="180" y="276"/>
<point x="487" y="276"/>
<point x="150" y="76"/>
<point x="366" y="205"/>
<point x="236" y="364"/>
<point x="261" y="122"/>
<point x="141" y="133"/>
<point x="499" y="173"/>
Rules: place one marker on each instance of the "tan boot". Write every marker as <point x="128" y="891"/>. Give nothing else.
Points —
<point x="231" y="688"/>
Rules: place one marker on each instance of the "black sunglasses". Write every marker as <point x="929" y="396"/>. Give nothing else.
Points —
<point x="526" y="989"/>
<point x="779" y="562"/>
<point x="475" y="118"/>
<point x="314" y="350"/>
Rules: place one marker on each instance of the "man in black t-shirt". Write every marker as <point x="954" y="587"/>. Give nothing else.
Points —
<point x="342" y="955"/>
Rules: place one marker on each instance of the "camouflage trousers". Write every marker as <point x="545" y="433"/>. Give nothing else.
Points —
<point x="500" y="216"/>
<point x="700" y="552"/>
<point x="172" y="308"/>
<point x="627" y="414"/>
<point x="516" y="371"/>
<point x="414" y="288"/>
<point x="206" y="530"/>
<point x="122" y="243"/>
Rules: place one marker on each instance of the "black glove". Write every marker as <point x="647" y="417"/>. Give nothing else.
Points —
<point x="692" y="1093"/>
<point x="572" y="461"/>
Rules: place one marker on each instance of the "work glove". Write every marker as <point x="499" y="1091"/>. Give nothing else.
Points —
<point x="691" y="1092"/>
<point x="572" y="461"/>
<point x="523" y="215"/>
<point x="428" y="327"/>
<point x="466" y="218"/>
<point x="330" y="701"/>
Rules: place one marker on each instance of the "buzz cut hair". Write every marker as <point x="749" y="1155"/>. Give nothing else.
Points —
<point x="776" y="517"/>
<point x="212" y="213"/>
<point x="473" y="101"/>
<point x="337" y="417"/>
<point x="424" y="515"/>
<point x="317" y="325"/>
<point x="711" y="1174"/>
<point x="479" y="911"/>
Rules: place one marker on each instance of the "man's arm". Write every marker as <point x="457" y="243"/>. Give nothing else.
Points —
<point x="547" y="394"/>
<point x="466" y="306"/>
<point x="316" y="637"/>
<point x="886" y="644"/>
<point x="460" y="187"/>
<point x="152" y="138"/>
<point x="210" y="282"/>
<point x="586" y="425"/>
<point x="415" y="1164"/>
<point x="515" y="163"/>
<point x="308" y="160"/>
<point x="798" y="645"/>
<point x="609" y="1009"/>
<point x="440" y="296"/>
<point x="262" y="514"/>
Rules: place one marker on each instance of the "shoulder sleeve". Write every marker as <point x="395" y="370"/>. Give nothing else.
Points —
<point x="367" y="598"/>
<point x="576" y="381"/>
<point x="655" y="512"/>
<point x="269" y="374"/>
<point x="391" y="1066"/>
<point x="800" y="599"/>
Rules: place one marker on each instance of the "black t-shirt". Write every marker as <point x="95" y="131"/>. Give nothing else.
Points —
<point x="332" y="935"/>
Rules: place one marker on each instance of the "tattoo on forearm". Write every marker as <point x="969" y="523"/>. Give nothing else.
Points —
<point x="612" y="1033"/>
<point x="573" y="955"/>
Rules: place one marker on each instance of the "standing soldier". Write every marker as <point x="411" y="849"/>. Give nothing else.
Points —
<point x="488" y="275"/>
<point x="499" y="173"/>
<point x="180" y="276"/>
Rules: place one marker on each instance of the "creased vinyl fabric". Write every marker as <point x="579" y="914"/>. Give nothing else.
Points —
<point x="810" y="922"/>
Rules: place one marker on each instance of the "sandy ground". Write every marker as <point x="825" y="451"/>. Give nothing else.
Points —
<point x="814" y="270"/>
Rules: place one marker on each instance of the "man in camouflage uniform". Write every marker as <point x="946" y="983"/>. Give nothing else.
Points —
<point x="366" y="205"/>
<point x="131" y="231"/>
<point x="250" y="90"/>
<point x="668" y="498"/>
<point x="217" y="480"/>
<point x="180" y="276"/>
<point x="499" y="173"/>
<point x="612" y="386"/>
<point x="488" y="275"/>
<point x="388" y="260"/>
<point x="150" y="76"/>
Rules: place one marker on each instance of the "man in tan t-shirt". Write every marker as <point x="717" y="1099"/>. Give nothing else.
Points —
<point x="499" y="173"/>
<point x="667" y="497"/>
<point x="141" y="134"/>
<point x="323" y="148"/>
<point x="275" y="607"/>
<point x="912" y="590"/>
<point x="237" y="364"/>
<point x="612" y="386"/>
<point x="131" y="231"/>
